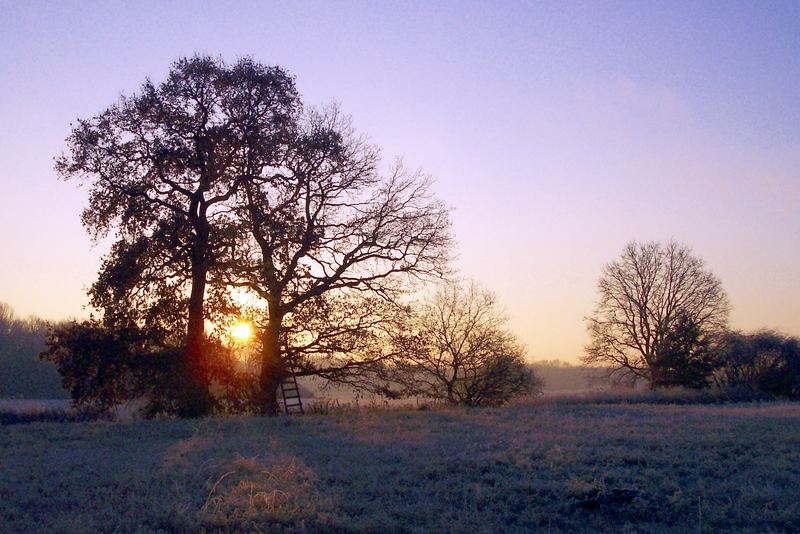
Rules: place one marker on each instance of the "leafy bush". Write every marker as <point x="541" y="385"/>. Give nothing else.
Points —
<point x="766" y="361"/>
<point x="102" y="367"/>
<point x="685" y="356"/>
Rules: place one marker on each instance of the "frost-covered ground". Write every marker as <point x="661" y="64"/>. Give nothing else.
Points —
<point x="549" y="467"/>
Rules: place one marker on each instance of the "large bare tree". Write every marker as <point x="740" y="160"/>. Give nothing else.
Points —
<point x="644" y="295"/>
<point x="328" y="237"/>
<point x="161" y="166"/>
<point x="458" y="348"/>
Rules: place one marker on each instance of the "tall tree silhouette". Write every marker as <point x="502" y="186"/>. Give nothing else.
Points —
<point x="327" y="230"/>
<point x="161" y="166"/>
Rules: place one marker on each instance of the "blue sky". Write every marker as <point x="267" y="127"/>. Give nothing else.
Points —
<point x="557" y="131"/>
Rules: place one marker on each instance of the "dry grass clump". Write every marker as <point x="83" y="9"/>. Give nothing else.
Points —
<point x="253" y="492"/>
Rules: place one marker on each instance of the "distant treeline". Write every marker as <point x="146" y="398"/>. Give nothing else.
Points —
<point x="22" y="373"/>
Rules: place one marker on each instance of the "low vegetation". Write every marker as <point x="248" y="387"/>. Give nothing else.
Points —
<point x="550" y="467"/>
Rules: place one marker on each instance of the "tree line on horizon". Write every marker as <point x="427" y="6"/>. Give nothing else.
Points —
<point x="219" y="182"/>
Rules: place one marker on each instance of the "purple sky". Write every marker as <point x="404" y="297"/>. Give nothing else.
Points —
<point x="557" y="131"/>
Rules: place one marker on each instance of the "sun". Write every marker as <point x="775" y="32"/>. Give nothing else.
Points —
<point x="242" y="331"/>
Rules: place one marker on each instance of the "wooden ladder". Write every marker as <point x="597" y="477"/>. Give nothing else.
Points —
<point x="291" y="396"/>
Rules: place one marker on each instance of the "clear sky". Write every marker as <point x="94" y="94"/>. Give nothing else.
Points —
<point x="557" y="131"/>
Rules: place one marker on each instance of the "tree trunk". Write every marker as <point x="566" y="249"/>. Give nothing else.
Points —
<point x="656" y="377"/>
<point x="197" y="398"/>
<point x="273" y="369"/>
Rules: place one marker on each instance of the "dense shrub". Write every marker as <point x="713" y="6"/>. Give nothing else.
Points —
<point x="685" y="357"/>
<point x="102" y="367"/>
<point x="767" y="362"/>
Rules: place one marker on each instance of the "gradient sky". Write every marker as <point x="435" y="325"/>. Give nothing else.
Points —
<point x="557" y="131"/>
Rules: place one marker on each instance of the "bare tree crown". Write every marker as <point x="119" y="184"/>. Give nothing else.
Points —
<point x="641" y="296"/>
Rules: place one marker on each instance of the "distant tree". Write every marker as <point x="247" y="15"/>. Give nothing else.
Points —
<point x="460" y="350"/>
<point x="326" y="242"/>
<point x="766" y="362"/>
<point x="161" y="166"/>
<point x="644" y="296"/>
<point x="685" y="357"/>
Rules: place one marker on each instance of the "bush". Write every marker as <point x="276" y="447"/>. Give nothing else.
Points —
<point x="684" y="358"/>
<point x="102" y="367"/>
<point x="766" y="361"/>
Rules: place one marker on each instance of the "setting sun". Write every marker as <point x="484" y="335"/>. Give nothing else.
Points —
<point x="242" y="331"/>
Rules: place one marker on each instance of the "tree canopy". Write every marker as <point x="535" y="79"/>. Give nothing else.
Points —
<point x="644" y="297"/>
<point x="220" y="178"/>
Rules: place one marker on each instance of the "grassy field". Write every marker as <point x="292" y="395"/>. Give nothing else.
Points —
<point x="546" y="467"/>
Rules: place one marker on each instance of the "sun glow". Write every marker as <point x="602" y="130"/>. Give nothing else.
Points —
<point x="242" y="331"/>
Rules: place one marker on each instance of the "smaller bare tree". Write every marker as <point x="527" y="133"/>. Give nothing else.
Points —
<point x="643" y="296"/>
<point x="458" y="349"/>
